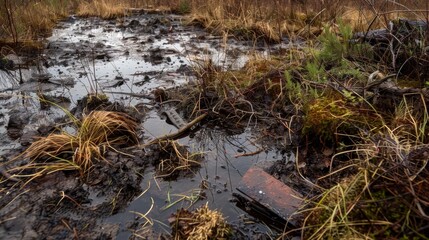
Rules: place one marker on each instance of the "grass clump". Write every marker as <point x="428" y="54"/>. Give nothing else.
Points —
<point x="24" y="21"/>
<point x="200" y="224"/>
<point x="106" y="9"/>
<point x="183" y="7"/>
<point x="174" y="160"/>
<point x="324" y="116"/>
<point x="377" y="185"/>
<point x="385" y="196"/>
<point x="96" y="133"/>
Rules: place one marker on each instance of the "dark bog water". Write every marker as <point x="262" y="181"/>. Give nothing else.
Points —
<point x="221" y="171"/>
<point x="127" y="59"/>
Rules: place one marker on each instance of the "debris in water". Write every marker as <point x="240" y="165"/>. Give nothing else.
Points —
<point x="267" y="198"/>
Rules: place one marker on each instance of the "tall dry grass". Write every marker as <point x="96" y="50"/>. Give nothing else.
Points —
<point x="29" y="20"/>
<point x="274" y="19"/>
<point x="385" y="193"/>
<point x="107" y="9"/>
<point x="24" y="20"/>
<point x="270" y="20"/>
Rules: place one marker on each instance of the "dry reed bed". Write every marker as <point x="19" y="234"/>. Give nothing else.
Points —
<point x="26" y="21"/>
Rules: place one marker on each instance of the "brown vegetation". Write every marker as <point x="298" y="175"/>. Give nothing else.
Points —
<point x="200" y="224"/>
<point x="25" y="21"/>
<point x="268" y="20"/>
<point x="107" y="9"/>
<point x="98" y="132"/>
<point x="272" y="20"/>
<point x="367" y="154"/>
<point x="175" y="159"/>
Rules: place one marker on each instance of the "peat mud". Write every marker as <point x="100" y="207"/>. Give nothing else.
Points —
<point x="63" y="206"/>
<point x="124" y="65"/>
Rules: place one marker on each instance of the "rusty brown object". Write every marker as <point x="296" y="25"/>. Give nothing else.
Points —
<point x="272" y="194"/>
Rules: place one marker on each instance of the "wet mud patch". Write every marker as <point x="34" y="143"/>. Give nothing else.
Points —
<point x="53" y="191"/>
<point x="67" y="205"/>
<point x="126" y="66"/>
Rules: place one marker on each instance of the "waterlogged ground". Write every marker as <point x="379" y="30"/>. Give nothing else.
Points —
<point x="126" y="59"/>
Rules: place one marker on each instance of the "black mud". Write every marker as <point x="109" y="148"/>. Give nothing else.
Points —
<point x="129" y="61"/>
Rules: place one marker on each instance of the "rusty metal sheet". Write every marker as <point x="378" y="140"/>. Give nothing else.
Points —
<point x="269" y="192"/>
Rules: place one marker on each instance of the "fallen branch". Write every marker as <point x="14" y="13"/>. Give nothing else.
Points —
<point x="378" y="82"/>
<point x="177" y="134"/>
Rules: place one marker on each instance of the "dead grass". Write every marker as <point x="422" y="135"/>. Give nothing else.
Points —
<point x="201" y="224"/>
<point x="175" y="159"/>
<point x="257" y="20"/>
<point x="271" y="21"/>
<point x="377" y="185"/>
<point x="106" y="9"/>
<point x="385" y="198"/>
<point x="98" y="131"/>
<point x="26" y="21"/>
<point x="30" y="20"/>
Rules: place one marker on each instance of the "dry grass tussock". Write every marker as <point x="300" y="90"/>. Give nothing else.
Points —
<point x="201" y="224"/>
<point x="97" y="132"/>
<point x="386" y="198"/>
<point x="385" y="191"/>
<point x="107" y="9"/>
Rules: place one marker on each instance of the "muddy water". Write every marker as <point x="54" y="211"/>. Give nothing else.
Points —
<point x="221" y="172"/>
<point x="127" y="59"/>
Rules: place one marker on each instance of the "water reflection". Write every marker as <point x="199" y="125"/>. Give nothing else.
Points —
<point x="225" y="161"/>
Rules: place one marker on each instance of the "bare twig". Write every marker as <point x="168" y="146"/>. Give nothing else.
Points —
<point x="250" y="153"/>
<point x="175" y="134"/>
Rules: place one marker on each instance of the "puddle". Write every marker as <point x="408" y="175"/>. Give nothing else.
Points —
<point x="221" y="172"/>
<point x="127" y="60"/>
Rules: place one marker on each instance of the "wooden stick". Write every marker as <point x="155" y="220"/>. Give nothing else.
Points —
<point x="175" y="134"/>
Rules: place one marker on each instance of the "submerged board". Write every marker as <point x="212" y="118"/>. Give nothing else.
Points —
<point x="267" y="197"/>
